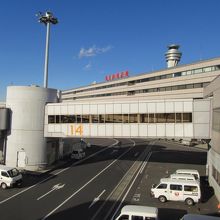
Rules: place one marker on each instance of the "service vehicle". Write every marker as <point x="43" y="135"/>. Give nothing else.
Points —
<point x="183" y="177"/>
<point x="195" y="173"/>
<point x="177" y="190"/>
<point x="9" y="177"/>
<point x="132" y="212"/>
<point x="78" y="154"/>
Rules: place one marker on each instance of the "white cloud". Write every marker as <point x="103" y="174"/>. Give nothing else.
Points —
<point x="93" y="51"/>
<point x="87" y="66"/>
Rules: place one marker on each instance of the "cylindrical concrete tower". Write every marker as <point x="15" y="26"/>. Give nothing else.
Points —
<point x="173" y="55"/>
<point x="26" y="145"/>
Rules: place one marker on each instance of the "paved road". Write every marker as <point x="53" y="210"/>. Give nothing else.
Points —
<point x="78" y="190"/>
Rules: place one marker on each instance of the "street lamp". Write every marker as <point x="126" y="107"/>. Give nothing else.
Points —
<point x="47" y="19"/>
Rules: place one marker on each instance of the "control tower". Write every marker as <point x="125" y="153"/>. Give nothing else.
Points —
<point x="173" y="55"/>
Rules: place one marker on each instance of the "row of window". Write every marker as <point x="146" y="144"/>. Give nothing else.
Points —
<point x="161" y="89"/>
<point x="123" y="118"/>
<point x="216" y="175"/>
<point x="177" y="187"/>
<point x="133" y="82"/>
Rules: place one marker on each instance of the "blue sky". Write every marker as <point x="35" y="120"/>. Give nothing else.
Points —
<point x="95" y="38"/>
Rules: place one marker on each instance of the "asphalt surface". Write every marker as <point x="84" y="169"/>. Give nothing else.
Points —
<point x="74" y="191"/>
<point x="112" y="176"/>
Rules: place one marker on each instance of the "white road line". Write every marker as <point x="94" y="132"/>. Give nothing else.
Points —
<point x="126" y="194"/>
<point x="66" y="200"/>
<point x="96" y="199"/>
<point x="55" y="187"/>
<point x="61" y="171"/>
<point x="145" y="162"/>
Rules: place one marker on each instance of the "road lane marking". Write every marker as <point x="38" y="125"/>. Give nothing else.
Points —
<point x="70" y="197"/>
<point x="127" y="191"/>
<point x="55" y="187"/>
<point x="136" y="154"/>
<point x="145" y="162"/>
<point x="96" y="199"/>
<point x="133" y="142"/>
<point x="55" y="174"/>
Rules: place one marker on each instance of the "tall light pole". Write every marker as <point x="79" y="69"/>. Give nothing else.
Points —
<point x="47" y="19"/>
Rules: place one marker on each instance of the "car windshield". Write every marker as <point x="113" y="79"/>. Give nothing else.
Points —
<point x="14" y="172"/>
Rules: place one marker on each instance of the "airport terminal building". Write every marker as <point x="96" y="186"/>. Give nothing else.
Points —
<point x="179" y="102"/>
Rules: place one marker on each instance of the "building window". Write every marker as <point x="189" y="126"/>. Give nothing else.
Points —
<point x="160" y="118"/>
<point x="125" y="118"/>
<point x="187" y="117"/>
<point x="178" y="118"/>
<point x="95" y="119"/>
<point x="133" y="118"/>
<point x="152" y="118"/>
<point x="51" y="119"/>
<point x="85" y="118"/>
<point x="216" y="120"/>
<point x="101" y="118"/>
<point x="170" y="117"/>
<point x="143" y="118"/>
<point x="109" y="118"/>
<point x="117" y="118"/>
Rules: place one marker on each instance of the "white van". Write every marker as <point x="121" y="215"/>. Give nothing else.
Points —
<point x="9" y="177"/>
<point x="133" y="212"/>
<point x="198" y="217"/>
<point x="195" y="173"/>
<point x="182" y="177"/>
<point x="78" y="154"/>
<point x="177" y="190"/>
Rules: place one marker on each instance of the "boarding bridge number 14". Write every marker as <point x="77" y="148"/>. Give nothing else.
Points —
<point x="76" y="130"/>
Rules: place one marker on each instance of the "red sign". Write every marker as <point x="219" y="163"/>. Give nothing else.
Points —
<point x="117" y="76"/>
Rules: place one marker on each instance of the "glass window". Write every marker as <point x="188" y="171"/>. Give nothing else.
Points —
<point x="176" y="187"/>
<point x="168" y="88"/>
<point x="162" y="186"/>
<point x="207" y="69"/>
<point x="177" y="74"/>
<point x="189" y="72"/>
<point x="197" y="85"/>
<point x="3" y="173"/>
<point x="78" y="119"/>
<point x="152" y="118"/>
<point x="85" y="118"/>
<point x="187" y="117"/>
<point x="178" y="117"/>
<point x="161" y="89"/>
<point x="190" y="188"/>
<point x="174" y="87"/>
<point x="182" y="87"/>
<point x="143" y="118"/>
<point x="109" y="118"/>
<point x="170" y="117"/>
<point x="133" y="118"/>
<point x="71" y="119"/>
<point x="95" y="118"/>
<point x="51" y="119"/>
<point x="117" y="118"/>
<point x="198" y="71"/>
<point x="135" y="217"/>
<point x="169" y="76"/>
<point x="190" y="86"/>
<point x="125" y="118"/>
<point x="124" y="217"/>
<point x="160" y="118"/>
<point x="101" y="118"/>
<point x="64" y="119"/>
<point x="57" y="119"/>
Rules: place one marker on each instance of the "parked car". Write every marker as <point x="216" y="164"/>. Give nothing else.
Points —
<point x="177" y="190"/>
<point x="9" y="177"/>
<point x="78" y="154"/>
<point x="130" y="212"/>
